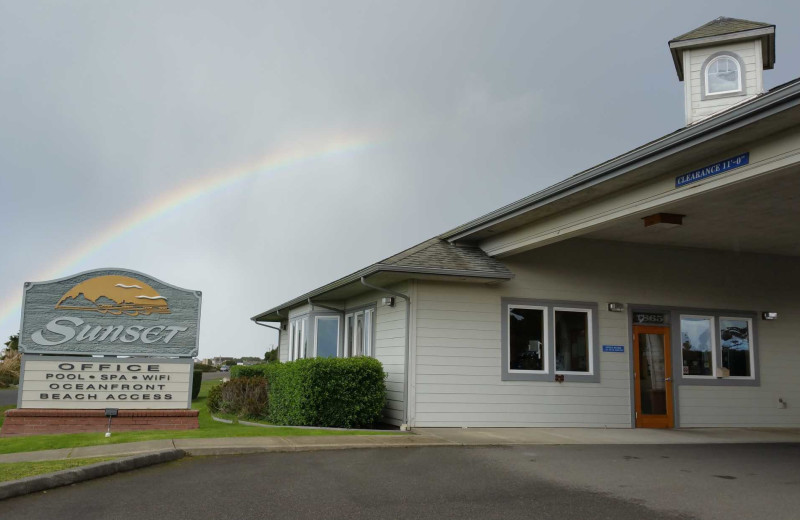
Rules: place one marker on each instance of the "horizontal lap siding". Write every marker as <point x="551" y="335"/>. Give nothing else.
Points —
<point x="390" y="332"/>
<point x="458" y="337"/>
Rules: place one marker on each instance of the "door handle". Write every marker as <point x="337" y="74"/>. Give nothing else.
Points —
<point x="669" y="379"/>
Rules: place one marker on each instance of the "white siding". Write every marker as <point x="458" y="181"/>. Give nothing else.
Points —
<point x="283" y="344"/>
<point x="749" y="52"/>
<point x="458" y="337"/>
<point x="390" y="333"/>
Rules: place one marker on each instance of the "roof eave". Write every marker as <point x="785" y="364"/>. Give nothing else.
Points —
<point x="374" y="269"/>
<point x="759" y="107"/>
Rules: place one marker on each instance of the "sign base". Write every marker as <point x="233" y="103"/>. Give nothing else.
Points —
<point x="44" y="421"/>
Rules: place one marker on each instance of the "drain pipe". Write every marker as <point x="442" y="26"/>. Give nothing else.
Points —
<point x="404" y="426"/>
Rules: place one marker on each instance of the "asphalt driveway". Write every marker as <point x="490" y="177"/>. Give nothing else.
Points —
<point x="542" y="482"/>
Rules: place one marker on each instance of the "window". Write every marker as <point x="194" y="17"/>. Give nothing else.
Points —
<point x="723" y="75"/>
<point x="326" y="342"/>
<point x="736" y="346"/>
<point x="573" y="340"/>
<point x="545" y="339"/>
<point x="358" y="333"/>
<point x="297" y="339"/>
<point x="697" y="346"/>
<point x="527" y="333"/>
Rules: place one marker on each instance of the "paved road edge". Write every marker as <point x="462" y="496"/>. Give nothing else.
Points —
<point x="66" y="477"/>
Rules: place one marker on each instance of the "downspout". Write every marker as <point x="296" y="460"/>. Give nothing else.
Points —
<point x="404" y="426"/>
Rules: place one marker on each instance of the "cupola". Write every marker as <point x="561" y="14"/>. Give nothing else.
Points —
<point x="721" y="64"/>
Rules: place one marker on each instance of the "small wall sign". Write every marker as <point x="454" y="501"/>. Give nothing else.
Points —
<point x="613" y="348"/>
<point x="712" y="169"/>
<point x="649" y="318"/>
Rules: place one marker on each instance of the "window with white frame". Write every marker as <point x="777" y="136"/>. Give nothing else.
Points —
<point x="358" y="333"/>
<point x="573" y="340"/>
<point x="544" y="339"/>
<point x="297" y="339"/>
<point x="698" y="350"/>
<point x="736" y="342"/>
<point x="326" y="337"/>
<point x="723" y="75"/>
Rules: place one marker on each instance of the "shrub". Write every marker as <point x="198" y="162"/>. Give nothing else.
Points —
<point x="333" y="392"/>
<point x="9" y="369"/>
<point x="205" y="368"/>
<point x="197" y="381"/>
<point x="250" y="371"/>
<point x="243" y="397"/>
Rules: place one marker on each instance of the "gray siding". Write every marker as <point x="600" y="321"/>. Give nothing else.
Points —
<point x="458" y="337"/>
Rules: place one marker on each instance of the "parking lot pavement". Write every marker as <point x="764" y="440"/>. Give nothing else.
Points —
<point x="544" y="482"/>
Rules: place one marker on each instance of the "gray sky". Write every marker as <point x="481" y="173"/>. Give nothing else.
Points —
<point x="257" y="150"/>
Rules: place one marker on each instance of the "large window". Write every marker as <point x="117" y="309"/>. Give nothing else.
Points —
<point x="527" y="333"/>
<point x="698" y="351"/>
<point x="326" y="339"/>
<point x="722" y="75"/>
<point x="542" y="340"/>
<point x="735" y="339"/>
<point x="573" y="340"/>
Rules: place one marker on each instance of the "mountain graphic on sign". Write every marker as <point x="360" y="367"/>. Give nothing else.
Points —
<point x="115" y="295"/>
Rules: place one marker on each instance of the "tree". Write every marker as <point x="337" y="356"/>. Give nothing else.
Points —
<point x="271" y="355"/>
<point x="230" y="362"/>
<point x="12" y="345"/>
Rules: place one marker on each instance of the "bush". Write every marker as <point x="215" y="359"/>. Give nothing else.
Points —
<point x="250" y="371"/>
<point x="246" y="397"/>
<point x="205" y="368"/>
<point x="9" y="369"/>
<point x="197" y="381"/>
<point x="332" y="392"/>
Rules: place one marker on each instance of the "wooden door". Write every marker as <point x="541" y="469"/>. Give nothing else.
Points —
<point x="652" y="377"/>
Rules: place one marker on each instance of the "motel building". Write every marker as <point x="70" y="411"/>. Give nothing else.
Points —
<point x="658" y="289"/>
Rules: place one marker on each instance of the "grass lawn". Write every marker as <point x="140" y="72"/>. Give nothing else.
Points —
<point x="18" y="470"/>
<point x="2" y="412"/>
<point x="209" y="428"/>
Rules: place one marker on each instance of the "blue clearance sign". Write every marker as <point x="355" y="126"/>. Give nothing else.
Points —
<point x="613" y="348"/>
<point x="714" y="169"/>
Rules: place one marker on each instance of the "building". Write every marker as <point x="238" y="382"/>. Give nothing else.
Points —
<point x="657" y="289"/>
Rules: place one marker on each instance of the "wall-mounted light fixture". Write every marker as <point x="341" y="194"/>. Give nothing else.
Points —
<point x="388" y="301"/>
<point x="663" y="220"/>
<point x="616" y="307"/>
<point x="769" y="315"/>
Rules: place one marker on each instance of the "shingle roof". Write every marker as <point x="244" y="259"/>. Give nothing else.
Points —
<point x="720" y="26"/>
<point x="441" y="254"/>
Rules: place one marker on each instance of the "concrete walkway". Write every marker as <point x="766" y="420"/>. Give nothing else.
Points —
<point x="422" y="437"/>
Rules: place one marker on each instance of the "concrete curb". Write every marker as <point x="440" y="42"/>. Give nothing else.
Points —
<point x="251" y="450"/>
<point x="71" y="476"/>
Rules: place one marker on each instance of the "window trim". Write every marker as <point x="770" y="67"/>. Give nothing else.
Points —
<point x="545" y="338"/>
<point x="740" y="91"/>
<point x="751" y="345"/>
<point x="590" y="346"/>
<point x="338" y="330"/>
<point x="715" y="328"/>
<point x="549" y="375"/>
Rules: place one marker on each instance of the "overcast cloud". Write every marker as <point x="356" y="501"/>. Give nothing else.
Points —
<point x="460" y="107"/>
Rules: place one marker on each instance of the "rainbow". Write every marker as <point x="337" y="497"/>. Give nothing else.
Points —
<point x="181" y="196"/>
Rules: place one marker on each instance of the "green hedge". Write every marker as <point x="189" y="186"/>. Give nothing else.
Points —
<point x="197" y="382"/>
<point x="334" y="392"/>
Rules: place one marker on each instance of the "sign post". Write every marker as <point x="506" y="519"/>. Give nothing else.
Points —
<point x="100" y="340"/>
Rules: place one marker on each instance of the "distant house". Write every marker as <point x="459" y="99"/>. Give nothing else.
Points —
<point x="657" y="289"/>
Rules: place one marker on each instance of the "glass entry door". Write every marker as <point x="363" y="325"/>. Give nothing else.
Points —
<point x="652" y="377"/>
